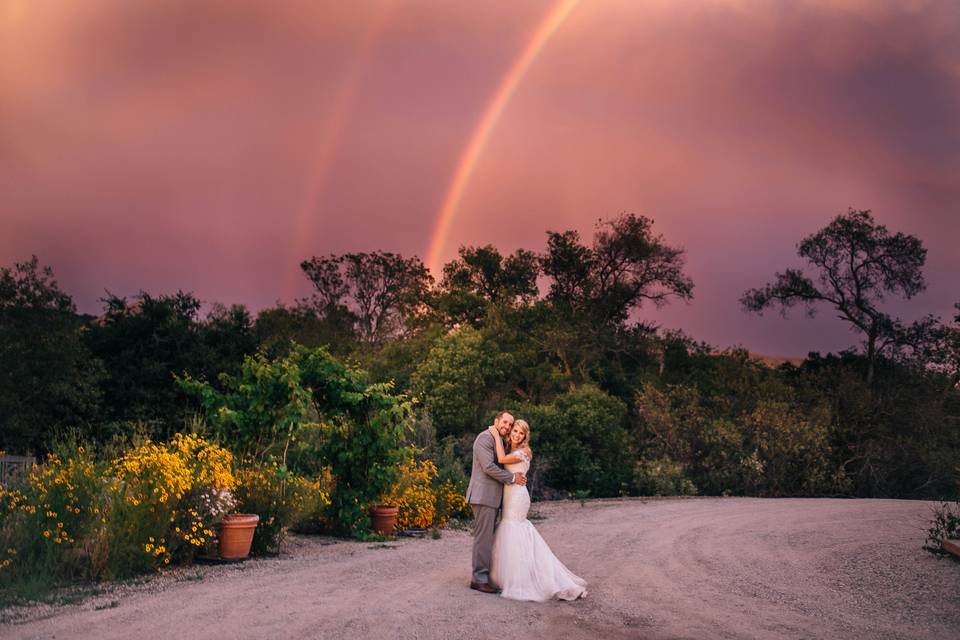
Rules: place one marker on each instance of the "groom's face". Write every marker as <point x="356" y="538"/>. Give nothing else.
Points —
<point x="505" y="424"/>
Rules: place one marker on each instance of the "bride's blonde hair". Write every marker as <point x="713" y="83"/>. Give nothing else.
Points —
<point x="526" y="435"/>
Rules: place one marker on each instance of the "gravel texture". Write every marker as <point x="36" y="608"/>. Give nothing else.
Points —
<point x="657" y="568"/>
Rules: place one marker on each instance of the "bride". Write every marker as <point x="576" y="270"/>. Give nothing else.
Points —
<point x="523" y="565"/>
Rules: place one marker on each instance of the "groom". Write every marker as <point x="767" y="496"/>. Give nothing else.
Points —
<point x="484" y="495"/>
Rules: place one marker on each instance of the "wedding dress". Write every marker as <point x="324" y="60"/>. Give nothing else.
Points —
<point x="523" y="565"/>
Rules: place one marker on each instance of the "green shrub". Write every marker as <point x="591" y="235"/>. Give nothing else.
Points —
<point x="81" y="515"/>
<point x="944" y="526"/>
<point x="50" y="519"/>
<point x="581" y="440"/>
<point x="262" y="490"/>
<point x="662" y="477"/>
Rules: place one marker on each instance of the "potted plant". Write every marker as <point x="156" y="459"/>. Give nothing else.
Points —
<point x="234" y="530"/>
<point x="384" y="517"/>
<point x="235" y="535"/>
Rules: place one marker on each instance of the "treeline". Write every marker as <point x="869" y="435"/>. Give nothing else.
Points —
<point x="616" y="406"/>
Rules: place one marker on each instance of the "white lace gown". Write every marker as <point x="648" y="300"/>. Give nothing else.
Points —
<point x="523" y="565"/>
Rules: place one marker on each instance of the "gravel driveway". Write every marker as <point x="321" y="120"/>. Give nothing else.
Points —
<point x="660" y="568"/>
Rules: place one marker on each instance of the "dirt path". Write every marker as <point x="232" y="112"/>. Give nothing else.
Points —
<point x="670" y="568"/>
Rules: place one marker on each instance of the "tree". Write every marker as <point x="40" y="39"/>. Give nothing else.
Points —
<point x="481" y="277"/>
<point x="594" y="290"/>
<point x="581" y="441"/>
<point x="143" y="343"/>
<point x="458" y="382"/>
<point x="382" y="291"/>
<point x="626" y="266"/>
<point x="276" y="328"/>
<point x="273" y="401"/>
<point x="942" y="351"/>
<point x="857" y="263"/>
<point x="48" y="379"/>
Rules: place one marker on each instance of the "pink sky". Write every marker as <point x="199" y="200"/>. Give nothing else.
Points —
<point x="212" y="146"/>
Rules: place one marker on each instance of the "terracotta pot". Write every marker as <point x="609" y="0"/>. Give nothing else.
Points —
<point x="384" y="518"/>
<point x="236" y="535"/>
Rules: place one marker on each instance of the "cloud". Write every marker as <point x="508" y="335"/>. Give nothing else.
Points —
<point x="175" y="144"/>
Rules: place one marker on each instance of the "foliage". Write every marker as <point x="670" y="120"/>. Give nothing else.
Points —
<point x="616" y="405"/>
<point x="48" y="378"/>
<point x="146" y="342"/>
<point x="455" y="380"/>
<point x="662" y="477"/>
<point x="944" y="526"/>
<point x="379" y="292"/>
<point x="625" y="266"/>
<point x="50" y="518"/>
<point x="413" y="494"/>
<point x="281" y="500"/>
<point x="80" y="515"/>
<point x="858" y="262"/>
<point x="364" y="426"/>
<point x="583" y="438"/>
<point x="594" y="290"/>
<point x="276" y="328"/>
<point x="358" y="426"/>
<point x="258" y="412"/>
<point x="480" y="278"/>
<point x="735" y="427"/>
<point x="676" y="428"/>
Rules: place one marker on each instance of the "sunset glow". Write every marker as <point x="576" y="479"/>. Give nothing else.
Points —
<point x="212" y="147"/>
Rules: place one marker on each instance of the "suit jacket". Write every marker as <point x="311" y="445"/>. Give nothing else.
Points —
<point x="487" y="476"/>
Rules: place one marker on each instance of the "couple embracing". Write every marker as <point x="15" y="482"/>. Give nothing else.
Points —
<point x="511" y="558"/>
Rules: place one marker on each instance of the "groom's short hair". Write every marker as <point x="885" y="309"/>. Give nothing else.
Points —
<point x="500" y="415"/>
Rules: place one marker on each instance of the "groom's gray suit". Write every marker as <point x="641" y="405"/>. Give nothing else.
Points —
<point x="485" y="494"/>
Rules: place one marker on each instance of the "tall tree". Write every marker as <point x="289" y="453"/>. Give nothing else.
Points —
<point x="857" y="263"/>
<point x="480" y="277"/>
<point x="48" y="379"/>
<point x="941" y="351"/>
<point x="626" y="266"/>
<point x="595" y="289"/>
<point x="146" y="341"/>
<point x="383" y="291"/>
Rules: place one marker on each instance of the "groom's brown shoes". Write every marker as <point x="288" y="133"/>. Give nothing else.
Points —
<point x="484" y="587"/>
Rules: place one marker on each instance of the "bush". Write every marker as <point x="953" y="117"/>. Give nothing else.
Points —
<point x="78" y="515"/>
<point x="944" y="526"/>
<point x="282" y="500"/>
<point x="769" y="445"/>
<point x="311" y="498"/>
<point x="168" y="500"/>
<point x="357" y="427"/>
<point x="582" y="440"/>
<point x="413" y="495"/>
<point x="456" y="377"/>
<point x="50" y="519"/>
<point x="424" y="498"/>
<point x="662" y="477"/>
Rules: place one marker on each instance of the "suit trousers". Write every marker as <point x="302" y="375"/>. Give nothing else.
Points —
<point x="484" y="522"/>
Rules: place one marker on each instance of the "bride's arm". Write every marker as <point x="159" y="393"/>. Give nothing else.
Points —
<point x="502" y="456"/>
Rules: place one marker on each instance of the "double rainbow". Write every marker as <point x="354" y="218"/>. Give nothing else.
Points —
<point x="332" y="130"/>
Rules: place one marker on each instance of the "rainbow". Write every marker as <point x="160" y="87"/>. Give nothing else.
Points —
<point x="328" y="140"/>
<point x="488" y="121"/>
